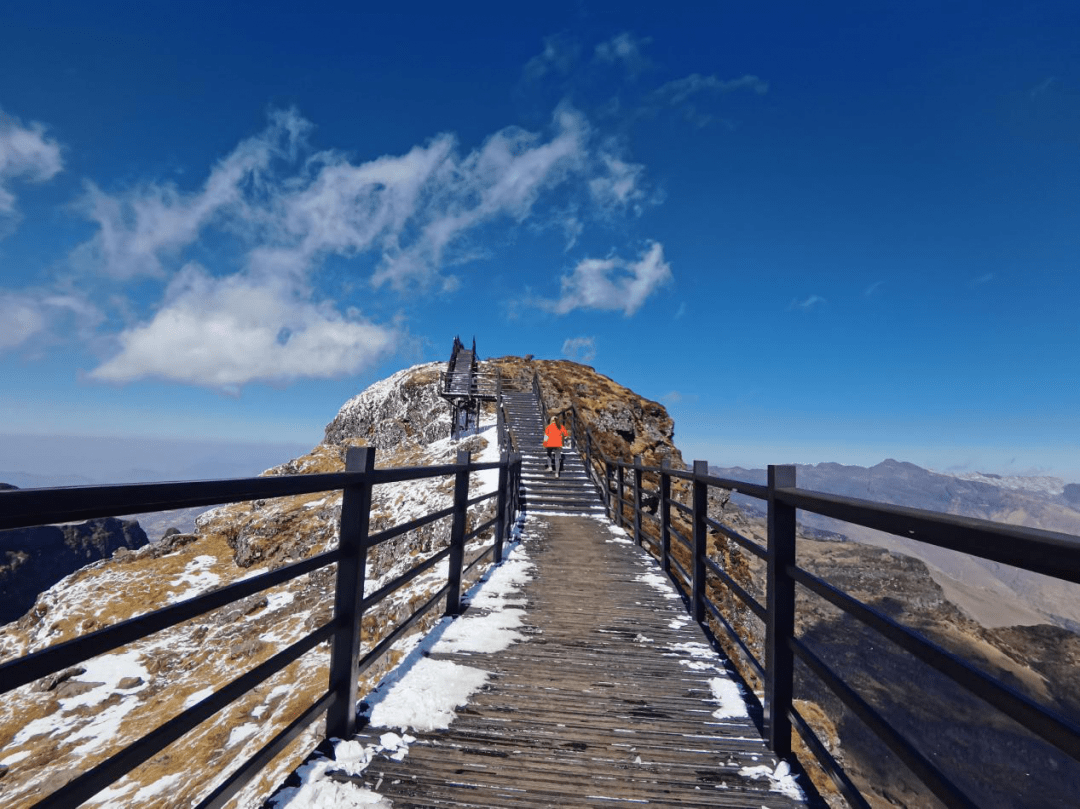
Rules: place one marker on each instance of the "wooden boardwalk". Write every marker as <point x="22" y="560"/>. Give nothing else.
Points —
<point x="604" y="703"/>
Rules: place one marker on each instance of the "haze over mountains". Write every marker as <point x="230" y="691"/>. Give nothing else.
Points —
<point x="990" y="593"/>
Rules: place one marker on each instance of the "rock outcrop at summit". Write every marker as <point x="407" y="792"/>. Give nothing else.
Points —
<point x="623" y="423"/>
<point x="34" y="559"/>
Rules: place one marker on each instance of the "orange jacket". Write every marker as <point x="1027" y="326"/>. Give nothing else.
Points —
<point x="554" y="434"/>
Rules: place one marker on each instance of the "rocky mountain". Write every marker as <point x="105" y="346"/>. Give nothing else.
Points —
<point x="58" y="727"/>
<point x="992" y="594"/>
<point x="53" y="729"/>
<point x="1001" y="764"/>
<point x="34" y="559"/>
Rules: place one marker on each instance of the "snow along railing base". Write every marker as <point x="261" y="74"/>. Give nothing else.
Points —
<point x="622" y="485"/>
<point x="23" y="508"/>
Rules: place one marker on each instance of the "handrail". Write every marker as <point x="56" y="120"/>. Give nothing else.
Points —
<point x="1046" y="552"/>
<point x="20" y="508"/>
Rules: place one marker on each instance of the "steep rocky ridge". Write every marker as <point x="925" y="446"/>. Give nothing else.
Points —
<point x="34" y="559"/>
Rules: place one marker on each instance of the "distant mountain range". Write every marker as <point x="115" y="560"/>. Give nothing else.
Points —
<point x="991" y="593"/>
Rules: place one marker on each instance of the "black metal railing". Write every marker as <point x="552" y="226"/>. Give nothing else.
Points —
<point x="622" y="484"/>
<point x="23" y="508"/>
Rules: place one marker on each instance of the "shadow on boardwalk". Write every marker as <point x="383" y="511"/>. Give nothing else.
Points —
<point x="611" y="698"/>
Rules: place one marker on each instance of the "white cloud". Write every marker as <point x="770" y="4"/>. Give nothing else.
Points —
<point x="579" y="349"/>
<point x="618" y="185"/>
<point x="684" y="93"/>
<point x="681" y="90"/>
<point x="624" y="48"/>
<point x="22" y="318"/>
<point x="284" y="210"/>
<point x="412" y="210"/>
<point x="32" y="312"/>
<point x="612" y="284"/>
<point x="559" y="55"/>
<point x="25" y="153"/>
<point x="225" y="332"/>
<point x="807" y="303"/>
<point x="139" y="228"/>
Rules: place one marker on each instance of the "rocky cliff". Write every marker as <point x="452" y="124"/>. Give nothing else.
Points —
<point x="34" y="559"/>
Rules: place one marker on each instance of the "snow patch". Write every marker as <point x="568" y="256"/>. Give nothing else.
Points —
<point x="425" y="698"/>
<point x="659" y="583"/>
<point x="780" y="779"/>
<point x="728" y="695"/>
<point x="197" y="576"/>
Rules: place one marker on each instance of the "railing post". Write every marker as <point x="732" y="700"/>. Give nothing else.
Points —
<point x="780" y="619"/>
<point x="573" y="428"/>
<point x="619" y="475"/>
<point x="457" y="534"/>
<point x="500" y="526"/>
<point x="517" y="459"/>
<point x="349" y="593"/>
<point x="637" y="499"/>
<point x="665" y="516"/>
<point x="701" y="507"/>
<point x="609" y="473"/>
<point x="588" y="453"/>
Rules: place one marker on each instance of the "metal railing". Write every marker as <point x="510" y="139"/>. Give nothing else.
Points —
<point x="23" y="508"/>
<point x="1049" y="553"/>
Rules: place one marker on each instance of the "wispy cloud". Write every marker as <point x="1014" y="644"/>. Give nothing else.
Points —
<point x="872" y="290"/>
<point x="982" y="279"/>
<point x="287" y="208"/>
<point x="26" y="153"/>
<point x="612" y="284"/>
<point x="559" y="56"/>
<point x="29" y="313"/>
<point x="1043" y="87"/>
<point x="682" y="90"/>
<point x="680" y="311"/>
<point x="624" y="49"/>
<point x="579" y="349"/>
<point x="687" y="93"/>
<point x="807" y="304"/>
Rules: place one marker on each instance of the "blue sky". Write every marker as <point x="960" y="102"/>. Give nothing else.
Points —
<point x="816" y="232"/>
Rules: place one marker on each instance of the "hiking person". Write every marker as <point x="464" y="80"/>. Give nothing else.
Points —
<point x="554" y="436"/>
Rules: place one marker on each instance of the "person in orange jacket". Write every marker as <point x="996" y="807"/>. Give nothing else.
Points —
<point x="554" y="436"/>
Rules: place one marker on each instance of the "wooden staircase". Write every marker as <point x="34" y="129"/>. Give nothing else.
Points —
<point x="573" y="491"/>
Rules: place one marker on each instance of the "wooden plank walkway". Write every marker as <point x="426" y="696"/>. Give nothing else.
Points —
<point x="603" y="703"/>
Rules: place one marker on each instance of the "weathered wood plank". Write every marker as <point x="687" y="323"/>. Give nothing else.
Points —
<point x="602" y="703"/>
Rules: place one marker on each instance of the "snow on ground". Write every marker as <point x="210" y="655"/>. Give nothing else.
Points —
<point x="660" y="583"/>
<point x="104" y="673"/>
<point x="197" y="577"/>
<point x="421" y="693"/>
<point x="425" y="697"/>
<point x="780" y="779"/>
<point x="620" y="536"/>
<point x="729" y="696"/>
